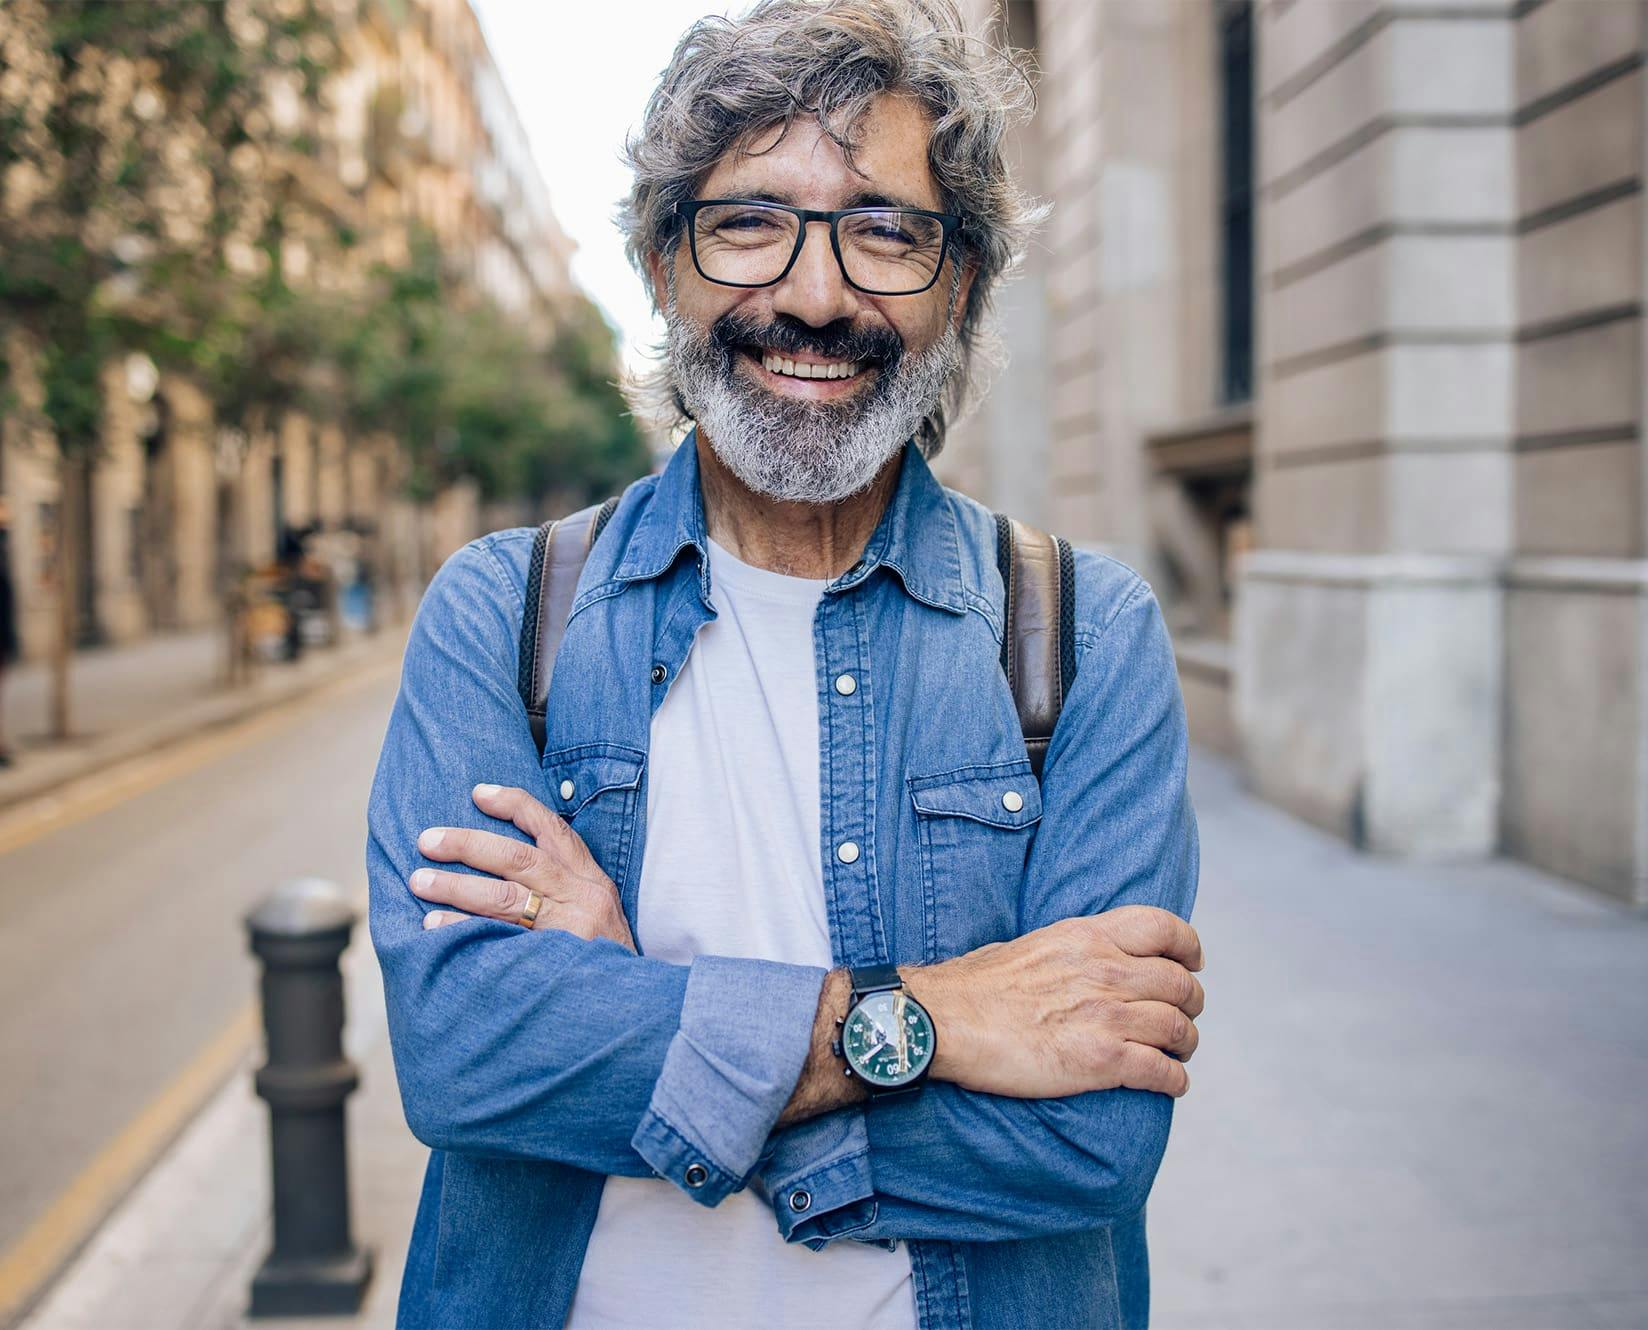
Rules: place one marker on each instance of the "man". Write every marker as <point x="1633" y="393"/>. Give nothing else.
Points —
<point x="781" y="760"/>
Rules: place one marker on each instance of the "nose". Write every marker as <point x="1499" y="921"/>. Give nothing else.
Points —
<point x="815" y="290"/>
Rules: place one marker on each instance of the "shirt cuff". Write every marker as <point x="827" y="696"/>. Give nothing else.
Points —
<point x="817" y="1178"/>
<point x="746" y="1026"/>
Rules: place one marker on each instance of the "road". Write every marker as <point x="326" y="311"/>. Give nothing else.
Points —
<point x="125" y="981"/>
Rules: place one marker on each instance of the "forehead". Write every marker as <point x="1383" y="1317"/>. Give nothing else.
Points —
<point x="805" y="167"/>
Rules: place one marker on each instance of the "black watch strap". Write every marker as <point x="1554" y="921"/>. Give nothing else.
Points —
<point x="874" y="979"/>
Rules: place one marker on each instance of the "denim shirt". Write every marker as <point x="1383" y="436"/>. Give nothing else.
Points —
<point x="535" y="1063"/>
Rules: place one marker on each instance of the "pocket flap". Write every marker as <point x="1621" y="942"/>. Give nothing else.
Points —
<point x="577" y="775"/>
<point x="1002" y="795"/>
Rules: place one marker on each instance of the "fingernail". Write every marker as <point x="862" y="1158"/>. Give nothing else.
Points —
<point x="423" y="879"/>
<point x="431" y="919"/>
<point x="431" y="838"/>
<point x="487" y="791"/>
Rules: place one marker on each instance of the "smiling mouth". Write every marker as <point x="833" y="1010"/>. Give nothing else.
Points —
<point x="791" y="367"/>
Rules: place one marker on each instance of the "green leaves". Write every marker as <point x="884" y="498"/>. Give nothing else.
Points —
<point x="469" y="392"/>
<point x="122" y="146"/>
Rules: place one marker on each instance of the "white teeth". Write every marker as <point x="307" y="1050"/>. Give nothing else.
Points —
<point x="835" y="369"/>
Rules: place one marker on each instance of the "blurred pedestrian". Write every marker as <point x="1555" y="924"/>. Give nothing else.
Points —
<point x="8" y="623"/>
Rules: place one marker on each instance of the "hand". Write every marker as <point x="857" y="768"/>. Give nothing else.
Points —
<point x="577" y="896"/>
<point x="1084" y="1004"/>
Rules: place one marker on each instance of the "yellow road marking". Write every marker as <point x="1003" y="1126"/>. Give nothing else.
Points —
<point x="87" y="796"/>
<point x="73" y="1217"/>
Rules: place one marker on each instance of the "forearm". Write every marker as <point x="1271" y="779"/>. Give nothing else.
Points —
<point x="960" y="1164"/>
<point x="956" y="1165"/>
<point x="540" y="1044"/>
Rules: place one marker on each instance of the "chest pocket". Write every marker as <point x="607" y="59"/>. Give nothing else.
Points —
<point x="975" y="827"/>
<point x="595" y="788"/>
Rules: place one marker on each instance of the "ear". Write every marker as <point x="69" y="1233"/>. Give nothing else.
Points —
<point x="969" y="270"/>
<point x="657" y="279"/>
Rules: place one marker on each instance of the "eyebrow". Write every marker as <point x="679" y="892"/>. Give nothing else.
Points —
<point x="865" y="198"/>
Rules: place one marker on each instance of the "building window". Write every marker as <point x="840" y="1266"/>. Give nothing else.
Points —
<point x="1235" y="54"/>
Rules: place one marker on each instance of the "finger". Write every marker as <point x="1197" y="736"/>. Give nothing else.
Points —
<point x="502" y="856"/>
<point x="1144" y="930"/>
<point x="1146" y="1068"/>
<point x="490" y="897"/>
<point x="510" y="803"/>
<point x="1161" y="1026"/>
<point x="440" y="918"/>
<point x="1157" y="979"/>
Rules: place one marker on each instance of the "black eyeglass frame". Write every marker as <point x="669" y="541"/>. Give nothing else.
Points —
<point x="688" y="210"/>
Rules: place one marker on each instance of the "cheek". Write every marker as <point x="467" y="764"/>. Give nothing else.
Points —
<point x="704" y="302"/>
<point x="918" y="335"/>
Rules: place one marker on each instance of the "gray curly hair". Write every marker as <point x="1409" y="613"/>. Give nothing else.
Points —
<point x="731" y="78"/>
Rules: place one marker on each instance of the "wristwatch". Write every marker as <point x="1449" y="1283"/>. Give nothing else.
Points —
<point x="887" y="1038"/>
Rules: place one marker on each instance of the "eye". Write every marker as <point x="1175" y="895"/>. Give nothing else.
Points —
<point x="746" y="221"/>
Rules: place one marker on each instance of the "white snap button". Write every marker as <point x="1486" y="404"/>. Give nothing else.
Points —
<point x="846" y="685"/>
<point x="847" y="852"/>
<point x="566" y="789"/>
<point x="1012" y="801"/>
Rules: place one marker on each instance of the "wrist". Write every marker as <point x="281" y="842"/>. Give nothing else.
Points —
<point x="939" y="989"/>
<point x="821" y="1086"/>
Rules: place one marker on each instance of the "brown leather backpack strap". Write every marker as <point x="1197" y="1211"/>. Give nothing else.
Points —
<point x="1038" y="641"/>
<point x="559" y="551"/>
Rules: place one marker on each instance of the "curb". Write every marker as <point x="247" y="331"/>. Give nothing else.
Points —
<point x="50" y="769"/>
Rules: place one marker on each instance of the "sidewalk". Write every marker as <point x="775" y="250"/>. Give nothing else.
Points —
<point x="180" y="1252"/>
<point x="136" y="697"/>
<point x="1418" y="1105"/>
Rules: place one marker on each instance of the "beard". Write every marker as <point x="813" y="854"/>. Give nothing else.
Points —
<point x="791" y="448"/>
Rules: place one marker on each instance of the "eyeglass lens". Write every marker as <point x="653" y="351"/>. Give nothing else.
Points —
<point x="882" y="250"/>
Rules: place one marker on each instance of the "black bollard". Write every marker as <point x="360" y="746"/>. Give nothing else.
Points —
<point x="314" y="1267"/>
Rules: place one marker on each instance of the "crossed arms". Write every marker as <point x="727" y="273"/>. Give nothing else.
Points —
<point x="560" y="1043"/>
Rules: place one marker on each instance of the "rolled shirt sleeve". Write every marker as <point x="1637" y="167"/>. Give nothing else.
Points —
<point x="728" y="1073"/>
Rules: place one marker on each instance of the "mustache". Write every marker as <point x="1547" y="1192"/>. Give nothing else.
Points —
<point x="834" y="341"/>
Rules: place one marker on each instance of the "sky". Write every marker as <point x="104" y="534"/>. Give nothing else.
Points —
<point x="580" y="75"/>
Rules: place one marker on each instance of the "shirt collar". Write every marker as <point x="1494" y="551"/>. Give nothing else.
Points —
<point x="917" y="537"/>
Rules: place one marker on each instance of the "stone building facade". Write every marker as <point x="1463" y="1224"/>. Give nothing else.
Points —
<point x="1336" y="333"/>
<point x="418" y="129"/>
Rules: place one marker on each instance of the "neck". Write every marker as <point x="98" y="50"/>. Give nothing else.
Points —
<point x="797" y="539"/>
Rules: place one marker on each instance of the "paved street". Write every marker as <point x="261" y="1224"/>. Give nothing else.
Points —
<point x="1421" y="1098"/>
<point x="123" y="954"/>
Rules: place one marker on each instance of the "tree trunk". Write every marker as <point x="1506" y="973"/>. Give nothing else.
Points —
<point x="68" y="592"/>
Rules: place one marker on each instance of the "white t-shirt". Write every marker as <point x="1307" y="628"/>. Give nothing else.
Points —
<point x="731" y="868"/>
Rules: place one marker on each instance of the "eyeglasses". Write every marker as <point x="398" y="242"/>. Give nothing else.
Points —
<point x="882" y="251"/>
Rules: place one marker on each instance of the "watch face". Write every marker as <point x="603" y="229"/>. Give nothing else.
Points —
<point x="888" y="1039"/>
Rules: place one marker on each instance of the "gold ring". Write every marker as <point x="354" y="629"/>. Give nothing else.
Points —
<point x="534" y="903"/>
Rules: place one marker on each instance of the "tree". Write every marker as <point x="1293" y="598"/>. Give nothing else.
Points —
<point x="470" y="393"/>
<point x="131" y="138"/>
